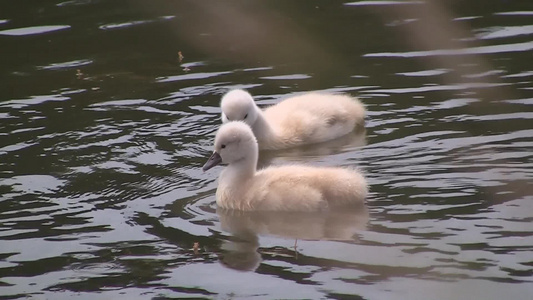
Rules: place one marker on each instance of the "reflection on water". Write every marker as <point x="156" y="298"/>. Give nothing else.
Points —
<point x="104" y="128"/>
<point x="334" y="225"/>
<point x="33" y="30"/>
<point x="246" y="227"/>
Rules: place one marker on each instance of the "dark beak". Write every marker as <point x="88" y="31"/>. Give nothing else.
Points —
<point x="214" y="160"/>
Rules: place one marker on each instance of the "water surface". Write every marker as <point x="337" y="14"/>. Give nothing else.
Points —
<point x="104" y="130"/>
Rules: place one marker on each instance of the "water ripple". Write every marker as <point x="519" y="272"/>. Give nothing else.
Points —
<point x="132" y="23"/>
<point x="192" y="76"/>
<point x="494" y="49"/>
<point x="33" y="30"/>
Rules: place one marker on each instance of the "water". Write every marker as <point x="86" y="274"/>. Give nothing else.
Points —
<point x="104" y="132"/>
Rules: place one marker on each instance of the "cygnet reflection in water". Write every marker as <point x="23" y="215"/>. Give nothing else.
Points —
<point x="339" y="224"/>
<point x="240" y="253"/>
<point x="242" y="250"/>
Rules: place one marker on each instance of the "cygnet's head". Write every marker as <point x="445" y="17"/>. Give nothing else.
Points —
<point x="238" y="105"/>
<point x="234" y="142"/>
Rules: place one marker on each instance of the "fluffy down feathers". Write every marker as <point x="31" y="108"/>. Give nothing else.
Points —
<point x="283" y="188"/>
<point x="300" y="120"/>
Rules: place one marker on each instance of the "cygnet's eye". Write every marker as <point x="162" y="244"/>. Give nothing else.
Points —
<point x="223" y="146"/>
<point x="245" y="116"/>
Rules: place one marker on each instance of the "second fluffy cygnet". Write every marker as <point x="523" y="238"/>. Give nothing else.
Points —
<point x="296" y="121"/>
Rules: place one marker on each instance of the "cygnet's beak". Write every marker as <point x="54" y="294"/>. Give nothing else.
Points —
<point x="214" y="160"/>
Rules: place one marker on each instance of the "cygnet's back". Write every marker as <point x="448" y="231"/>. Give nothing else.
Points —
<point x="314" y="118"/>
<point x="300" y="120"/>
<point x="284" y="188"/>
<point x="297" y="187"/>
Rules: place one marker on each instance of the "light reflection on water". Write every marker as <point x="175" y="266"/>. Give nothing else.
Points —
<point x="102" y="193"/>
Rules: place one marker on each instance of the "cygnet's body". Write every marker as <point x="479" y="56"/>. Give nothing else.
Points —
<point x="284" y="188"/>
<point x="300" y="120"/>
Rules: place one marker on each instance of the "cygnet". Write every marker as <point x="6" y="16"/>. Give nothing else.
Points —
<point x="277" y="188"/>
<point x="299" y="120"/>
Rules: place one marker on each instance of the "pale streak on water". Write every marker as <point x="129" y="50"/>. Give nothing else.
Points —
<point x="101" y="192"/>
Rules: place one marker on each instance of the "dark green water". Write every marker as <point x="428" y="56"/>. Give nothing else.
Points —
<point x="103" y="132"/>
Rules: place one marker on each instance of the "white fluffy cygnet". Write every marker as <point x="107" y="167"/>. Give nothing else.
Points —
<point x="300" y="120"/>
<point x="282" y="188"/>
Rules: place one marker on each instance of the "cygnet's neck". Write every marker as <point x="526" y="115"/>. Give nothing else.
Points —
<point x="263" y="131"/>
<point x="243" y="169"/>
